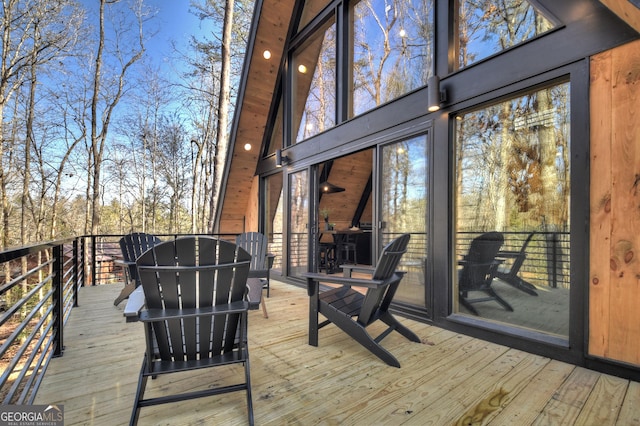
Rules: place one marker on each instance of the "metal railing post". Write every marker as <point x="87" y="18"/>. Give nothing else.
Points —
<point x="93" y="260"/>
<point x="58" y="300"/>
<point x="76" y="280"/>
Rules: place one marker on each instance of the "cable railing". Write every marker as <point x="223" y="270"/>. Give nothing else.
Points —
<point x="39" y="287"/>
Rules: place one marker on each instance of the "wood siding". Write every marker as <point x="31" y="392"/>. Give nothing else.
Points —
<point x="614" y="283"/>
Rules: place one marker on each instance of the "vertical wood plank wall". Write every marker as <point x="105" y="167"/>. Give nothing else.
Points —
<point x="614" y="278"/>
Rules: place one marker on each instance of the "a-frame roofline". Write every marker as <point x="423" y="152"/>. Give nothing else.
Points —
<point x="258" y="83"/>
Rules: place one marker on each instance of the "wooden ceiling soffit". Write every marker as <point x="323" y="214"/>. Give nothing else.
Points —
<point x="252" y="111"/>
<point x="627" y="10"/>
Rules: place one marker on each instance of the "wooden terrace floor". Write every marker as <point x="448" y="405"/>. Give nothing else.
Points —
<point x="449" y="379"/>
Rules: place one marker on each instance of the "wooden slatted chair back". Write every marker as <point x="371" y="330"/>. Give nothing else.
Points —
<point x="379" y="298"/>
<point x="256" y="244"/>
<point x="479" y="264"/>
<point x="132" y="246"/>
<point x="188" y="274"/>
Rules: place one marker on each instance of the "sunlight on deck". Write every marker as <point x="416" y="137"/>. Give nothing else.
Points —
<point x="448" y="379"/>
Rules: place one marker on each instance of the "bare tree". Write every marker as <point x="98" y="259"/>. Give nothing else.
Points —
<point x="220" y="55"/>
<point x="34" y="33"/>
<point x="108" y="90"/>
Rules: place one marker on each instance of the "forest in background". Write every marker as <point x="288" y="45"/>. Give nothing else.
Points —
<point x="97" y="137"/>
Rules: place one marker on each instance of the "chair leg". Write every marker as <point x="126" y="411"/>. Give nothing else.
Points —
<point x="360" y="335"/>
<point x="247" y="375"/>
<point x="392" y="322"/>
<point x="263" y="303"/>
<point x="124" y="293"/>
<point x="313" y="290"/>
<point x="499" y="299"/>
<point x="466" y="303"/>
<point x="519" y="283"/>
<point x="142" y="384"/>
<point x="267" y="286"/>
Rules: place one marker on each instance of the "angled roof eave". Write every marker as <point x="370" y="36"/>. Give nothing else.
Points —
<point x="627" y="10"/>
<point x="269" y="28"/>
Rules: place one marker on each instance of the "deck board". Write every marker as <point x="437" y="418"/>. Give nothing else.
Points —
<point x="447" y="379"/>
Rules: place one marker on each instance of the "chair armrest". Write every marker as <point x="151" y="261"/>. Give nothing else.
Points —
<point x="167" y="314"/>
<point x="270" y="258"/>
<point x="509" y="254"/>
<point x="254" y="292"/>
<point x="348" y="269"/>
<point x="358" y="282"/>
<point x="135" y="303"/>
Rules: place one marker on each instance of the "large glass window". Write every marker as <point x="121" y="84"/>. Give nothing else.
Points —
<point x="487" y="27"/>
<point x="392" y="50"/>
<point x="512" y="211"/>
<point x="313" y="72"/>
<point x="310" y="10"/>
<point x="277" y="135"/>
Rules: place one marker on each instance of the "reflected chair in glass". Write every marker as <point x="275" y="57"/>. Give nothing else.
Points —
<point x="509" y="273"/>
<point x="479" y="268"/>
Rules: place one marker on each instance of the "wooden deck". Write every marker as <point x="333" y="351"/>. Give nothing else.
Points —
<point x="450" y="379"/>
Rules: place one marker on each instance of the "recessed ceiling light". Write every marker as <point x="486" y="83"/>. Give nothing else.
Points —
<point x="247" y="147"/>
<point x="266" y="54"/>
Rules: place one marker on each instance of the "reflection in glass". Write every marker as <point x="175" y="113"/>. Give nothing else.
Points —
<point x="313" y="73"/>
<point x="488" y="27"/>
<point x="392" y="50"/>
<point x="298" y="229"/>
<point x="277" y="136"/>
<point x="513" y="178"/>
<point x="273" y="208"/>
<point x="403" y="209"/>
<point x="310" y="10"/>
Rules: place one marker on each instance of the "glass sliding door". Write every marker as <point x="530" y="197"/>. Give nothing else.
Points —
<point x="403" y="208"/>
<point x="298" y="248"/>
<point x="273" y="217"/>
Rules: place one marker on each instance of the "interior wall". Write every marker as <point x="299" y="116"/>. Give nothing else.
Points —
<point x="614" y="279"/>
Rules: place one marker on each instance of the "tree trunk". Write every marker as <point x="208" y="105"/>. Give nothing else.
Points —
<point x="223" y="109"/>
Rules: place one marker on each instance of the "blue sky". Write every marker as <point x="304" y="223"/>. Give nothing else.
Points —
<point x="175" y="24"/>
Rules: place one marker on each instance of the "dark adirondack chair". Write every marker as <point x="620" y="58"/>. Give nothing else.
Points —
<point x="509" y="273"/>
<point x="353" y="311"/>
<point x="479" y="269"/>
<point x="196" y="314"/>
<point x="132" y="246"/>
<point x="261" y="262"/>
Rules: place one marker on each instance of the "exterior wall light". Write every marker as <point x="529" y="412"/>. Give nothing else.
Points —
<point x="435" y="96"/>
<point x="281" y="160"/>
